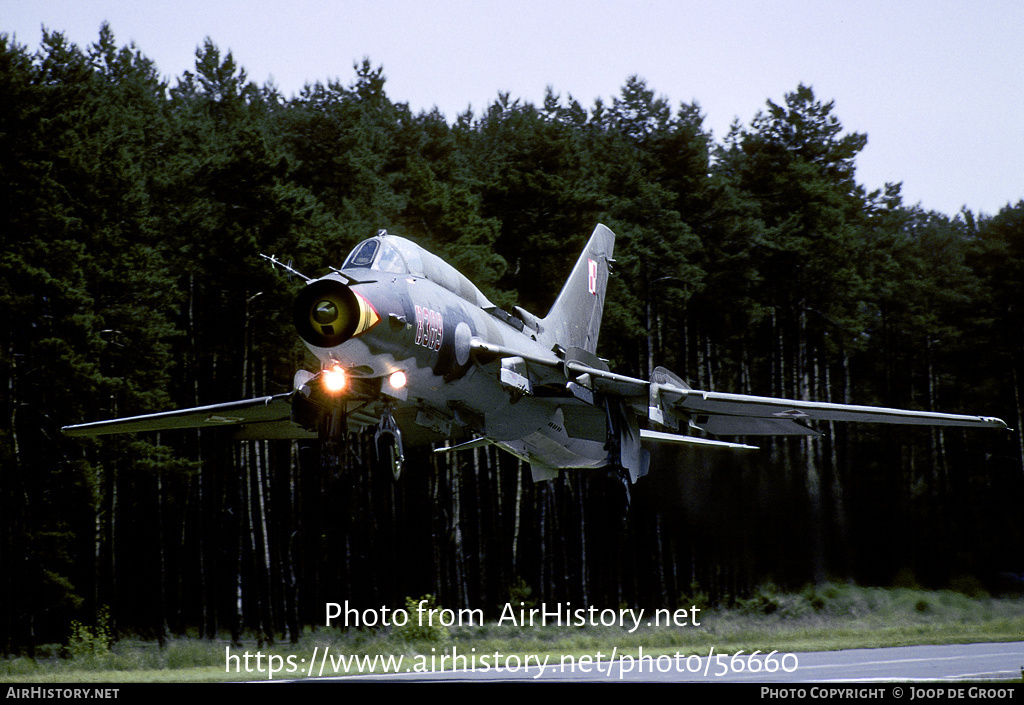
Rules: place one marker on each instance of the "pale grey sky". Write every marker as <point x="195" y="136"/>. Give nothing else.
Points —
<point x="937" y="85"/>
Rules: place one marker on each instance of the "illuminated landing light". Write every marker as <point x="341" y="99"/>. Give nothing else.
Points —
<point x="335" y="379"/>
<point x="397" y="379"/>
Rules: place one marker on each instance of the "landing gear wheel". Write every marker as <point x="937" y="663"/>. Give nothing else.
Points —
<point x="388" y="442"/>
<point x="390" y="455"/>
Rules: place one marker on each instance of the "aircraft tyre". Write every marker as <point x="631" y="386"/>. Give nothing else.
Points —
<point x="389" y="454"/>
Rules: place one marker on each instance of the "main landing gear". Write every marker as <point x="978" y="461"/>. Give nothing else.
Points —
<point x="388" y="443"/>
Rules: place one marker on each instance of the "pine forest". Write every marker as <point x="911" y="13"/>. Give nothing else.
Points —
<point x="133" y="210"/>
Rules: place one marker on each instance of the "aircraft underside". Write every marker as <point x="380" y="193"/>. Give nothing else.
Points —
<point x="535" y="429"/>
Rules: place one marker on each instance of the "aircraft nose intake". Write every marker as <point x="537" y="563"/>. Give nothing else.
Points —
<point x="327" y="313"/>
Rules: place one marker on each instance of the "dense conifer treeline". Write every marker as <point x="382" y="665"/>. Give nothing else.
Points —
<point x="132" y="213"/>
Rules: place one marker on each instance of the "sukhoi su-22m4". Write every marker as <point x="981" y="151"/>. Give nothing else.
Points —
<point x="410" y="346"/>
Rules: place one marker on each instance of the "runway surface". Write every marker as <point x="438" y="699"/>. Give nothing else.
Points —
<point x="906" y="664"/>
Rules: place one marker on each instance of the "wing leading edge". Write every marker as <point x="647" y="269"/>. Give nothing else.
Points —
<point x="768" y="409"/>
<point x="264" y="417"/>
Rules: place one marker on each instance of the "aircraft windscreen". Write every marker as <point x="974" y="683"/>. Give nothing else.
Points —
<point x="362" y="255"/>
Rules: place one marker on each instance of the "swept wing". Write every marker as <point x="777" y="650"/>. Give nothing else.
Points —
<point x="668" y="400"/>
<point x="264" y="417"/>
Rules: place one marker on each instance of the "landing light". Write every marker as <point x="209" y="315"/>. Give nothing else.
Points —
<point x="397" y="379"/>
<point x="334" y="379"/>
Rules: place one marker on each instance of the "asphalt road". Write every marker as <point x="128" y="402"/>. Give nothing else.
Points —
<point x="906" y="664"/>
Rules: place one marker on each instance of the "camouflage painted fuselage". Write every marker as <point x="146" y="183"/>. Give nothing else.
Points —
<point x="432" y="324"/>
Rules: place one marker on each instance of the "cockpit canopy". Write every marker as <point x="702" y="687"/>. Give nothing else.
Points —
<point x="387" y="253"/>
<point x="396" y="255"/>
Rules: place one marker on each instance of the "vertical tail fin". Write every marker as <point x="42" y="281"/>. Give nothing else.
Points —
<point x="575" y="318"/>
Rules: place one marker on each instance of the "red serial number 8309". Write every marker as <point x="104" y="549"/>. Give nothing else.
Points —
<point x="429" y="328"/>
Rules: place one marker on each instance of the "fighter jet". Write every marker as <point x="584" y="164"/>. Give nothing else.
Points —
<point x="408" y="345"/>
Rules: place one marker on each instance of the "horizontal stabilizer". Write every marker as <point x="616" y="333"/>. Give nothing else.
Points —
<point x="659" y="437"/>
<point x="542" y="473"/>
<point x="468" y="445"/>
<point x="721" y="425"/>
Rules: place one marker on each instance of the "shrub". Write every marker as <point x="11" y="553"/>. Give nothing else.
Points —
<point x="424" y="623"/>
<point x="91" y="644"/>
<point x="521" y="594"/>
